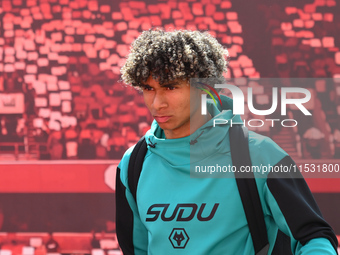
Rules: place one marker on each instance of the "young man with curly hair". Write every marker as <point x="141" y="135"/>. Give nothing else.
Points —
<point x="173" y="213"/>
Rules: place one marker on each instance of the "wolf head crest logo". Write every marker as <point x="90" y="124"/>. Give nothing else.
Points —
<point x="179" y="238"/>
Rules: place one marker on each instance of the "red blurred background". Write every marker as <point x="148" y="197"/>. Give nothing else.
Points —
<point x="66" y="118"/>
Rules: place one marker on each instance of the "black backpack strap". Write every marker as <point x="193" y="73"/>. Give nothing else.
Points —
<point x="136" y="164"/>
<point x="240" y="156"/>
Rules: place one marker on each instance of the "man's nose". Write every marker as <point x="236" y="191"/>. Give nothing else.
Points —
<point x="159" y="100"/>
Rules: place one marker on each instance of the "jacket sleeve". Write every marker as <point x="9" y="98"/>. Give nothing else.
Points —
<point x="131" y="233"/>
<point x="296" y="213"/>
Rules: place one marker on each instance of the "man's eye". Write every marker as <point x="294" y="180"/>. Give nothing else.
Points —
<point x="147" y="88"/>
<point x="171" y="87"/>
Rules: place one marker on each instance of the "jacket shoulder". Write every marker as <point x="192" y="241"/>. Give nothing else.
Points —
<point x="264" y="150"/>
<point x="124" y="165"/>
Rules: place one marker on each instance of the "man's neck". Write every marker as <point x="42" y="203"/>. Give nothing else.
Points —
<point x="192" y="127"/>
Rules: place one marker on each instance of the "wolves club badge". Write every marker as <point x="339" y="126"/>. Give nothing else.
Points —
<point x="179" y="238"/>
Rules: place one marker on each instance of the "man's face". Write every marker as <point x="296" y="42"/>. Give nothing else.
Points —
<point x="173" y="105"/>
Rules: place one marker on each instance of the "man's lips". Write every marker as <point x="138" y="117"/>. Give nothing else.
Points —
<point x="162" y="119"/>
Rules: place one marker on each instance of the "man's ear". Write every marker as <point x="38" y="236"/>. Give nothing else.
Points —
<point x="198" y="91"/>
<point x="201" y="91"/>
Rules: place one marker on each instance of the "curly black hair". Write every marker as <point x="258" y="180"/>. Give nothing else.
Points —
<point x="179" y="54"/>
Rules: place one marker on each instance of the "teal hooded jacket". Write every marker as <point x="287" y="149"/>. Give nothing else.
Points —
<point x="188" y="201"/>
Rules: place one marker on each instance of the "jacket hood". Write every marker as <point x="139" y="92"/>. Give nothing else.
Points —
<point x="206" y="140"/>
